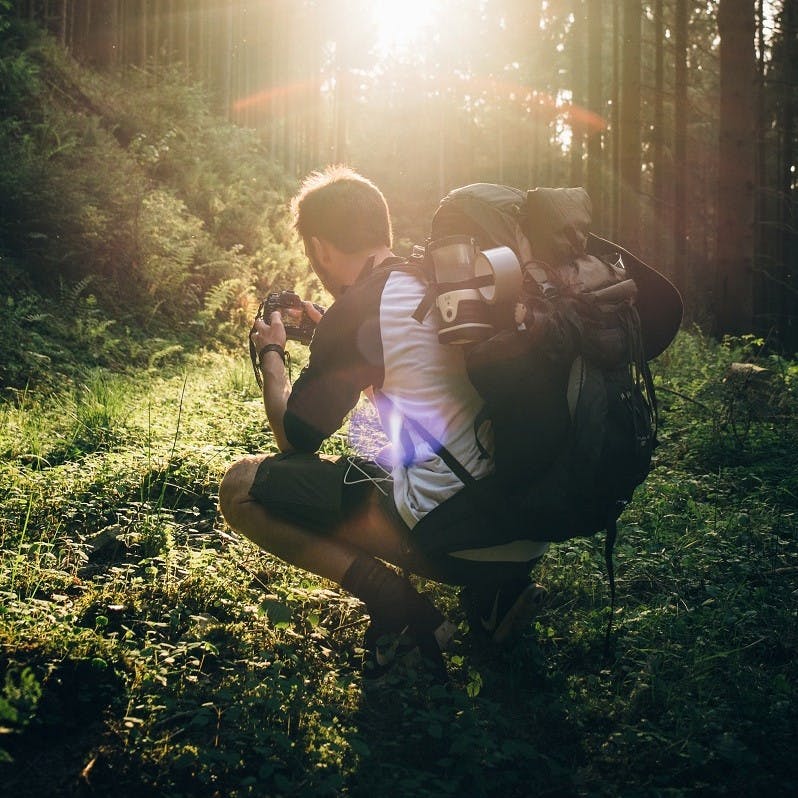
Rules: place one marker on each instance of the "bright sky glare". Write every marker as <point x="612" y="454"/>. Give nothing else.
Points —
<point x="399" y="22"/>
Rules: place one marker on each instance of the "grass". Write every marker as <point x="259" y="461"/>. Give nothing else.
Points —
<point x="146" y="649"/>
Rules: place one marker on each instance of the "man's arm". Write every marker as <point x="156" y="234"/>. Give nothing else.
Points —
<point x="276" y="387"/>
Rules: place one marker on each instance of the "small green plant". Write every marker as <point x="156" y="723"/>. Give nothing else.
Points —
<point x="99" y="412"/>
<point x="18" y="701"/>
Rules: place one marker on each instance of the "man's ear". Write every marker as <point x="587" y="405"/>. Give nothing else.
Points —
<point x="321" y="249"/>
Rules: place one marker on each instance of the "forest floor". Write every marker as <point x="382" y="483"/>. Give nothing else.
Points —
<point x="147" y="650"/>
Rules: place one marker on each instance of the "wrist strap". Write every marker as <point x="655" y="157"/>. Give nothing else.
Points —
<point x="271" y="348"/>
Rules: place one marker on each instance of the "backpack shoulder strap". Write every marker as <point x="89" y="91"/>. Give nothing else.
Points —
<point x="414" y="266"/>
<point x="457" y="468"/>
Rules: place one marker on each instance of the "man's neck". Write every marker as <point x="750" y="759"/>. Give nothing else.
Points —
<point x="359" y="259"/>
<point x="380" y="255"/>
<point x="356" y="262"/>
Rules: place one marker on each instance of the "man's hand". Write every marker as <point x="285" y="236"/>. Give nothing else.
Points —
<point x="272" y="333"/>
<point x="312" y="311"/>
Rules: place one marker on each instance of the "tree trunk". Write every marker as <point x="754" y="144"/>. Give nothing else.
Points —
<point x="227" y="61"/>
<point x="578" y="49"/>
<point x="680" y="248"/>
<point x="187" y="36"/>
<point x="658" y="141"/>
<point x="787" y="187"/>
<point x="169" y="35"/>
<point x="736" y="168"/>
<point x="630" y="157"/>
<point x="157" y="32"/>
<point x="594" y="103"/>
<point x="442" y="147"/>
<point x="143" y="38"/>
<point x="62" y="24"/>
<point x="616" y="118"/>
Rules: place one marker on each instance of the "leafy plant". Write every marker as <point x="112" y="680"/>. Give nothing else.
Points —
<point x="138" y="194"/>
<point x="18" y="699"/>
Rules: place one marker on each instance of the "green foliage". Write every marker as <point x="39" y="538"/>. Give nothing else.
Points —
<point x="720" y="410"/>
<point x="18" y="699"/>
<point x="69" y="193"/>
<point x="51" y="340"/>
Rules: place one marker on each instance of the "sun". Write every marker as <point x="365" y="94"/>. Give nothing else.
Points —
<point x="400" y="23"/>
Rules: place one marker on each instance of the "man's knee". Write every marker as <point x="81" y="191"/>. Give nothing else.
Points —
<point x="235" y="485"/>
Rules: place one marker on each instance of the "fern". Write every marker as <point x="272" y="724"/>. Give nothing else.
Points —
<point x="221" y="297"/>
<point x="70" y="294"/>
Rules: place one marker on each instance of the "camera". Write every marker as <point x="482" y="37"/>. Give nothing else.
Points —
<point x="298" y="325"/>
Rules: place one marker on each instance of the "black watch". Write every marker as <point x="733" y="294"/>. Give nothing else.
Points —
<point x="271" y="348"/>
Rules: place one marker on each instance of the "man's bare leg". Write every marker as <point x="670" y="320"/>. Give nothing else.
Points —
<point x="349" y="555"/>
<point x="327" y="555"/>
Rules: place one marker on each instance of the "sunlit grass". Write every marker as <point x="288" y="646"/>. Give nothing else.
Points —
<point x="201" y="663"/>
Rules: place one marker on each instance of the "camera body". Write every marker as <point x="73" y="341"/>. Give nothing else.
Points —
<point x="298" y="325"/>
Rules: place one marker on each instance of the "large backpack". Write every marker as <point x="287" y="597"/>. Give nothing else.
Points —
<point x="566" y="384"/>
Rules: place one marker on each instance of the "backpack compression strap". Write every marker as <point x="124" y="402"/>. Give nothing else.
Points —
<point x="489" y="509"/>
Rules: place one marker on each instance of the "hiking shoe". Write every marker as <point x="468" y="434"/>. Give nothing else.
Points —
<point x="503" y="613"/>
<point x="387" y="653"/>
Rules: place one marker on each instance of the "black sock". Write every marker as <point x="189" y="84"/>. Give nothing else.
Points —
<point x="390" y="599"/>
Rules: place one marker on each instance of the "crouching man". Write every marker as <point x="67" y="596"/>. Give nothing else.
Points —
<point x="344" y="519"/>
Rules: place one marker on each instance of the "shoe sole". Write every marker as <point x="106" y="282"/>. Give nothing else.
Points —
<point x="396" y="655"/>
<point x="521" y="614"/>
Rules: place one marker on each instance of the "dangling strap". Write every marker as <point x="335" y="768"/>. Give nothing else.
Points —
<point x="480" y="419"/>
<point x="609" y="546"/>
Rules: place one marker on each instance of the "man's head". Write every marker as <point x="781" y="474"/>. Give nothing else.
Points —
<point x="342" y="218"/>
<point x="343" y="208"/>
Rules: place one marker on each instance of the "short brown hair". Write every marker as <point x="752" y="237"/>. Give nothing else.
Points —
<point x="344" y="208"/>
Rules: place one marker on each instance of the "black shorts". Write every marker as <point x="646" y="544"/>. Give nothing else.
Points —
<point x="312" y="491"/>
<point x="320" y="494"/>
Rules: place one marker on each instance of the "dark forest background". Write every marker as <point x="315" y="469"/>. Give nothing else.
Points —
<point x="679" y="119"/>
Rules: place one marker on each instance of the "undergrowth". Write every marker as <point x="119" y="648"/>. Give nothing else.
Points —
<point x="146" y="649"/>
<point x="134" y="223"/>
